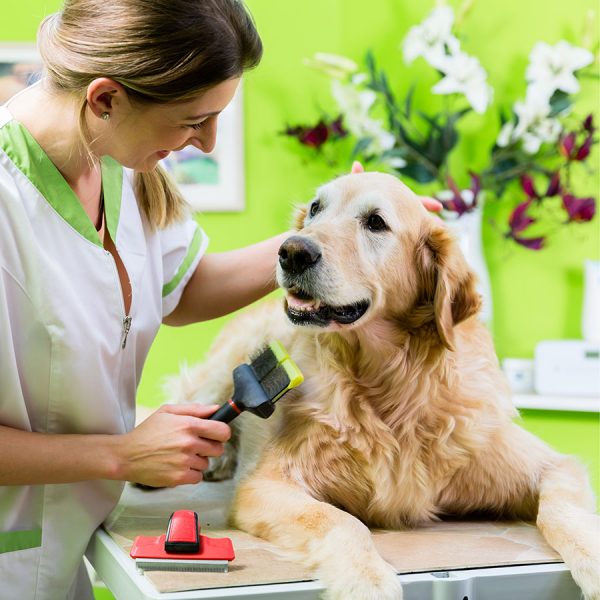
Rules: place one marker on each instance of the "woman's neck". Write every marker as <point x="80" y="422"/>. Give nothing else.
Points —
<point x="52" y="119"/>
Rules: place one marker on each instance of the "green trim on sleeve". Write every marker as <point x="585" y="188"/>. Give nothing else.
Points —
<point x="11" y="541"/>
<point x="185" y="265"/>
<point x="29" y="157"/>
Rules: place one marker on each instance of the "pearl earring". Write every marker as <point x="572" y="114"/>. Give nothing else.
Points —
<point x="105" y="116"/>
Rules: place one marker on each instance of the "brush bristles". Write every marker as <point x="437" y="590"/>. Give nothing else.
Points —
<point x="263" y="363"/>
<point x="275" y="383"/>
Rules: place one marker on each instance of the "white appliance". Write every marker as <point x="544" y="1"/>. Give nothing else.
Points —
<point x="567" y="368"/>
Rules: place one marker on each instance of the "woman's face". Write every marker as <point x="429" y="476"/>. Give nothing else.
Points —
<point x="143" y="135"/>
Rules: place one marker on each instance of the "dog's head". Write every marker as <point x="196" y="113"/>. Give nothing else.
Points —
<point x="365" y="248"/>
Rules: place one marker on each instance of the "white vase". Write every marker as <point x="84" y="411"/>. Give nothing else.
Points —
<point x="467" y="229"/>
<point x="590" y="318"/>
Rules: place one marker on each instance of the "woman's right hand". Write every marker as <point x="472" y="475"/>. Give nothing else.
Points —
<point x="171" y="447"/>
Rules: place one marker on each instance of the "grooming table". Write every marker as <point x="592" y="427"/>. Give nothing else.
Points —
<point x="448" y="560"/>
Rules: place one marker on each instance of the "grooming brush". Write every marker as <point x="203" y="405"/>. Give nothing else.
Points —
<point x="183" y="548"/>
<point x="258" y="385"/>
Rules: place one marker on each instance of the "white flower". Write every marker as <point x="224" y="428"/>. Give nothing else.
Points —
<point x="353" y="102"/>
<point x="333" y="65"/>
<point x="431" y="37"/>
<point x="464" y="75"/>
<point x="396" y="162"/>
<point x="505" y="135"/>
<point x="534" y="124"/>
<point x="553" y="67"/>
<point x="381" y="140"/>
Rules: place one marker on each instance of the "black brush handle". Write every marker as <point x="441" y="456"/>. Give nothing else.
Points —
<point x="226" y="413"/>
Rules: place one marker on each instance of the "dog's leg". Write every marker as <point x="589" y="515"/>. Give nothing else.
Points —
<point x="331" y="542"/>
<point x="565" y="518"/>
<point x="520" y="476"/>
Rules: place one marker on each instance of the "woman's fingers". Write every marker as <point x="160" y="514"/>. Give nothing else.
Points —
<point x="431" y="203"/>
<point x="196" y="421"/>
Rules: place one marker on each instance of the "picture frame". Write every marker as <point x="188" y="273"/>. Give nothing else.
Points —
<point x="20" y="66"/>
<point x="211" y="182"/>
<point x="214" y="182"/>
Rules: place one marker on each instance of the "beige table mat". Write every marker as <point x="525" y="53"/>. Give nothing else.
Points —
<point x="438" y="546"/>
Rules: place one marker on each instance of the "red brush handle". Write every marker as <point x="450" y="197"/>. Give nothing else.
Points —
<point x="183" y="533"/>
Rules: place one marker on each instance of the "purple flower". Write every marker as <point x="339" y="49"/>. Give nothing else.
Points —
<point x="580" y="210"/>
<point x="567" y="145"/>
<point x="457" y="202"/>
<point x="588" y="124"/>
<point x="531" y="243"/>
<point x="528" y="187"/>
<point x="554" y="186"/>
<point x="518" y="221"/>
<point x="584" y="150"/>
<point x="314" y="136"/>
<point x="337" y="128"/>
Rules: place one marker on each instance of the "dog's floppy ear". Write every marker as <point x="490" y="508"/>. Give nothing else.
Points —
<point x="446" y="280"/>
<point x="298" y="218"/>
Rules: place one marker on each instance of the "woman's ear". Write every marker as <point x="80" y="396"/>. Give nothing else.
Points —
<point x="105" y="95"/>
<point x="447" y="282"/>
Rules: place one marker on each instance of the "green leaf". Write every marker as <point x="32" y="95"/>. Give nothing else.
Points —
<point x="433" y="121"/>
<point x="360" y="147"/>
<point x="559" y="103"/>
<point x="418" y="172"/>
<point x="408" y="101"/>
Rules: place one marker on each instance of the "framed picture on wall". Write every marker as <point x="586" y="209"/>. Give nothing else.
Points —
<point x="20" y="66"/>
<point x="215" y="181"/>
<point x="209" y="182"/>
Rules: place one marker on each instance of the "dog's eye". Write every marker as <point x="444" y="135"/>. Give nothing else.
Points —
<point x="374" y="222"/>
<point x="315" y="207"/>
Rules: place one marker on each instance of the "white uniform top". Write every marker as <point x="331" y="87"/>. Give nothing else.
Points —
<point x="67" y="364"/>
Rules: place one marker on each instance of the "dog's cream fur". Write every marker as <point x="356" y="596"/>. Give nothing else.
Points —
<point x="404" y="415"/>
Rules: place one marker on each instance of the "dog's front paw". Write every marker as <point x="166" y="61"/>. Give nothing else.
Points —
<point x="585" y="562"/>
<point x="370" y="580"/>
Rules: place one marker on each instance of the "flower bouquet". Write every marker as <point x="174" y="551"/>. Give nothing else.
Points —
<point x="539" y="142"/>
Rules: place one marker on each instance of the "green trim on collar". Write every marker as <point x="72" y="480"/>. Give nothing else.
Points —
<point x="112" y="184"/>
<point x="33" y="162"/>
<point x="11" y="541"/>
<point x="185" y="265"/>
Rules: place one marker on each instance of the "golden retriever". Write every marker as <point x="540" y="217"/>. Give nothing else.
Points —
<point x="404" y="414"/>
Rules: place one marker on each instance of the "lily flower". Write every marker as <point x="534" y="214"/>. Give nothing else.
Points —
<point x="534" y="124"/>
<point x="518" y="221"/>
<point x="553" y="188"/>
<point x="580" y="210"/>
<point x="553" y="68"/>
<point x="333" y="65"/>
<point x="460" y="201"/>
<point x="463" y="74"/>
<point x="431" y="38"/>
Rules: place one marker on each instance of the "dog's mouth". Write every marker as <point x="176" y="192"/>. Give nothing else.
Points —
<point x="303" y="309"/>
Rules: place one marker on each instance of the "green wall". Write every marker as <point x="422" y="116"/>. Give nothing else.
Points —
<point x="536" y="296"/>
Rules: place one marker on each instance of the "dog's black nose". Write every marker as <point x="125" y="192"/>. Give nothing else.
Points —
<point x="297" y="254"/>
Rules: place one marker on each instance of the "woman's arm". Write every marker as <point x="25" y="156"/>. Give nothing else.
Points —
<point x="169" y="448"/>
<point x="225" y="282"/>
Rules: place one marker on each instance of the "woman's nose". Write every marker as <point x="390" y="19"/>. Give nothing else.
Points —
<point x="206" y="138"/>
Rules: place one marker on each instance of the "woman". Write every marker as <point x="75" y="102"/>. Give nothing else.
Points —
<point x="96" y="252"/>
<point x="94" y="256"/>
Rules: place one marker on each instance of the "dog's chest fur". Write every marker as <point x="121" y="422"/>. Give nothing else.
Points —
<point x="348" y="449"/>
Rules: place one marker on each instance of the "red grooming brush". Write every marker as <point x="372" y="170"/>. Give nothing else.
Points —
<point x="183" y="536"/>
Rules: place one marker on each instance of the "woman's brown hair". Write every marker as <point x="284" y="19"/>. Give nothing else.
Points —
<point x="161" y="51"/>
